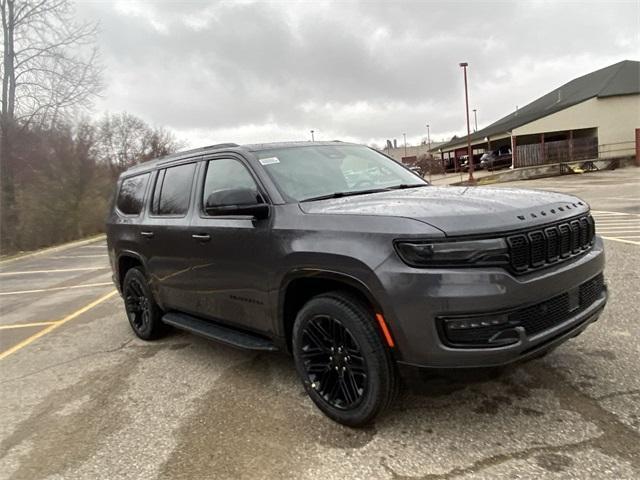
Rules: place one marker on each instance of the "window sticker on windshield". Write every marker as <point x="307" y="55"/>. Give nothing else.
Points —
<point x="269" y="161"/>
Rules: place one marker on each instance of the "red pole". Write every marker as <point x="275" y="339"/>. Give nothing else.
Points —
<point x="466" y="103"/>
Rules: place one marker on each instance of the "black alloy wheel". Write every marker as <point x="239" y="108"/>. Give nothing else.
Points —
<point x="137" y="305"/>
<point x="345" y="367"/>
<point x="333" y="362"/>
<point x="143" y="312"/>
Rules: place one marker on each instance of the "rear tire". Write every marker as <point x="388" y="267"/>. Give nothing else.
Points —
<point x="339" y="355"/>
<point x="145" y="317"/>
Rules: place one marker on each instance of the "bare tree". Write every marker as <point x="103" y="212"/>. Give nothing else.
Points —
<point x="125" y="140"/>
<point x="49" y="63"/>
<point x="49" y="69"/>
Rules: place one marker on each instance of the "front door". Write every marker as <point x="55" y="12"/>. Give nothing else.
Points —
<point x="230" y="253"/>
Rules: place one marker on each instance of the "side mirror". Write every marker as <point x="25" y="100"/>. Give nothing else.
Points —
<point x="236" y="201"/>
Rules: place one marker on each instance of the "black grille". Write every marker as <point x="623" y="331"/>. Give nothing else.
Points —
<point x="548" y="245"/>
<point x="535" y="318"/>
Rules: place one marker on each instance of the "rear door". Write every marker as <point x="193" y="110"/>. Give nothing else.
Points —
<point x="126" y="220"/>
<point x="231" y="254"/>
<point x="167" y="237"/>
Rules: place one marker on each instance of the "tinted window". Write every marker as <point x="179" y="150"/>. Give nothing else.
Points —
<point x="173" y="190"/>
<point x="131" y="196"/>
<point x="226" y="174"/>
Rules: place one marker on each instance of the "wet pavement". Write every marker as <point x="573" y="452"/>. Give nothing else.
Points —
<point x="87" y="399"/>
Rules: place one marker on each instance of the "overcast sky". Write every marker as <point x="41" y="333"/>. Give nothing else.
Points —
<point x="246" y="71"/>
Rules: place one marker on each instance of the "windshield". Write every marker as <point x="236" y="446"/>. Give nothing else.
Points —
<point x="303" y="173"/>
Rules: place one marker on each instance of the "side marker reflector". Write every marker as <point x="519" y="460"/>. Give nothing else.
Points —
<point x="385" y="330"/>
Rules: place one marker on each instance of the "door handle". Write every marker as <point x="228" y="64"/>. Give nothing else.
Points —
<point x="147" y="234"/>
<point x="203" y="237"/>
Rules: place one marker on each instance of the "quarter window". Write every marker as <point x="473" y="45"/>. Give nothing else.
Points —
<point x="226" y="174"/>
<point x="131" y="195"/>
<point x="173" y="190"/>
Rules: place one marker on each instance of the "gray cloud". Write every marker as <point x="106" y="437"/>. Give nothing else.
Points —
<point x="249" y="71"/>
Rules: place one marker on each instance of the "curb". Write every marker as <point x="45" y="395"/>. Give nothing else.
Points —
<point x="541" y="171"/>
<point x="57" y="248"/>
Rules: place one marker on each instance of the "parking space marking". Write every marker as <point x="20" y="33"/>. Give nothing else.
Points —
<point x="617" y="226"/>
<point x="605" y="212"/>
<point x="55" y="325"/>
<point x="81" y="256"/>
<point x="87" y="285"/>
<point x="55" y="270"/>
<point x="25" y="325"/>
<point x="622" y="240"/>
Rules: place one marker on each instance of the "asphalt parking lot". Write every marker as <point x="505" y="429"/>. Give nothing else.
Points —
<point x="83" y="398"/>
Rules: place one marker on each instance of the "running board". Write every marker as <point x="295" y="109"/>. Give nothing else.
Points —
<point x="216" y="332"/>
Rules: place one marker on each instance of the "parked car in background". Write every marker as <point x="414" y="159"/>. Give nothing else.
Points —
<point x="464" y="166"/>
<point x="344" y="258"/>
<point x="496" y="159"/>
<point x="417" y="170"/>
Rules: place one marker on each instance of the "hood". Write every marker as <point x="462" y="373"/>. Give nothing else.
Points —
<point x="459" y="210"/>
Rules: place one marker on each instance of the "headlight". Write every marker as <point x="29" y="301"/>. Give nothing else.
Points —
<point x="489" y="252"/>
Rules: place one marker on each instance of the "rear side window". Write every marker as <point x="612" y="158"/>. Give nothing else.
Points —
<point x="131" y="195"/>
<point x="173" y="190"/>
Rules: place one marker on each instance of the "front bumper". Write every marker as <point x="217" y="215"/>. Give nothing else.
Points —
<point x="422" y="296"/>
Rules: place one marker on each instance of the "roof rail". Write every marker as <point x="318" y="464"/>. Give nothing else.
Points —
<point x="174" y="156"/>
<point x="221" y="145"/>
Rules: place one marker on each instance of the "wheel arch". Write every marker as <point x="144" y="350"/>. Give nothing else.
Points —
<point x="300" y="286"/>
<point x="126" y="261"/>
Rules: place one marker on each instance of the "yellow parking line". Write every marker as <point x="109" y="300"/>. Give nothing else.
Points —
<point x="55" y="325"/>
<point x="88" y="285"/>
<point x="616" y="239"/>
<point x="57" y="270"/>
<point x="25" y="325"/>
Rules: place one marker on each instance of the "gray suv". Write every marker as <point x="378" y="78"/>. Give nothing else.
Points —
<point x="355" y="265"/>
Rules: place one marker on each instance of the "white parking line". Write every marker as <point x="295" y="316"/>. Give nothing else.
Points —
<point x="88" y="285"/>
<point x="81" y="256"/>
<point x="56" y="270"/>
<point x="25" y="325"/>
<point x="616" y="229"/>
<point x="605" y="212"/>
<point x="608" y="225"/>
<point x="619" y="239"/>
<point x="617" y="226"/>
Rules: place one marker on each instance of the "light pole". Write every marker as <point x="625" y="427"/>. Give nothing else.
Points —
<point x="464" y="66"/>
<point x="405" y="144"/>
<point x="312" y="139"/>
<point x="475" y="118"/>
<point x="429" y="156"/>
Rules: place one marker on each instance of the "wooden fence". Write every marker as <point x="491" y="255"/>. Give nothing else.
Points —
<point x="556" y="152"/>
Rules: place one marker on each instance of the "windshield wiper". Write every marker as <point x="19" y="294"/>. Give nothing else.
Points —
<point x="364" y="192"/>
<point x="344" y="194"/>
<point x="407" y="185"/>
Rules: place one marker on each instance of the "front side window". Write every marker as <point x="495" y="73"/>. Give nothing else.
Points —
<point x="304" y="173"/>
<point x="131" y="195"/>
<point x="226" y="175"/>
<point x="173" y="190"/>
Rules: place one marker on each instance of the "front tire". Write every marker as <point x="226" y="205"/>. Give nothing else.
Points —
<point x="145" y="317"/>
<point x="339" y="355"/>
